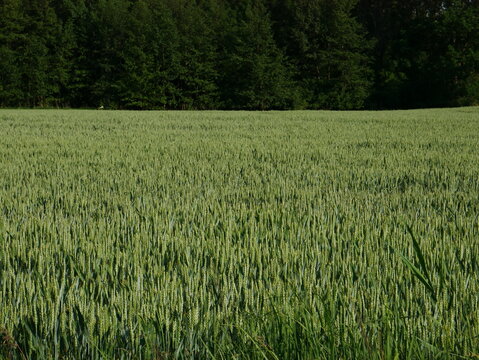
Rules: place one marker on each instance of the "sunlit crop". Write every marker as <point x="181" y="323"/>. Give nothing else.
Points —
<point x="239" y="235"/>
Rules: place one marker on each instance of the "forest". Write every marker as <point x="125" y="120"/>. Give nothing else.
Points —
<point x="239" y="54"/>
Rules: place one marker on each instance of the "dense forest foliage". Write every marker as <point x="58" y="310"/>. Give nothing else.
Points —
<point x="239" y="54"/>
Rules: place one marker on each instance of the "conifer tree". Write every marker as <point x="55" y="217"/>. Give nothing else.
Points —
<point x="256" y="75"/>
<point x="329" y="50"/>
<point x="197" y="75"/>
<point x="150" y="57"/>
<point x="11" y="35"/>
<point x="232" y="54"/>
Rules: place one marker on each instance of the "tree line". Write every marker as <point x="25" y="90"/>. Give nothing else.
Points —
<point x="239" y="54"/>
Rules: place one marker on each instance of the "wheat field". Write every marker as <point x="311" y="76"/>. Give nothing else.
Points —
<point x="239" y="235"/>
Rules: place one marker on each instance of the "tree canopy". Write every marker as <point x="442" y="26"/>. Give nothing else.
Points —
<point x="232" y="54"/>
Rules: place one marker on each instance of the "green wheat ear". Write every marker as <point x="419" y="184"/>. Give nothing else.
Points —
<point x="158" y="235"/>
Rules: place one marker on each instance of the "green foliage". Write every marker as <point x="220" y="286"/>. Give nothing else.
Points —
<point x="197" y="73"/>
<point x="255" y="72"/>
<point x="329" y="50"/>
<point x="426" y="53"/>
<point x="150" y="58"/>
<point x="252" y="54"/>
<point x="471" y="91"/>
<point x="419" y="271"/>
<point x="247" y="235"/>
<point x="10" y="36"/>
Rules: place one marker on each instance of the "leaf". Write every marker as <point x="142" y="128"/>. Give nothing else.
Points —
<point x="421" y="274"/>
<point x="419" y="254"/>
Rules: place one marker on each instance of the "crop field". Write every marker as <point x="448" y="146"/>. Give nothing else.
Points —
<point x="239" y="235"/>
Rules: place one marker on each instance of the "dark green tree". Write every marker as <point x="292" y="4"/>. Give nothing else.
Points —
<point x="34" y="52"/>
<point x="457" y="35"/>
<point x="197" y="75"/>
<point x="150" y="58"/>
<point x="232" y="54"/>
<point x="329" y="49"/>
<point x="425" y="53"/>
<point x="255" y="72"/>
<point x="11" y="37"/>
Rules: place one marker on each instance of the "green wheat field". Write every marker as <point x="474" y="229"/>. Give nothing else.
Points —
<point x="239" y="235"/>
